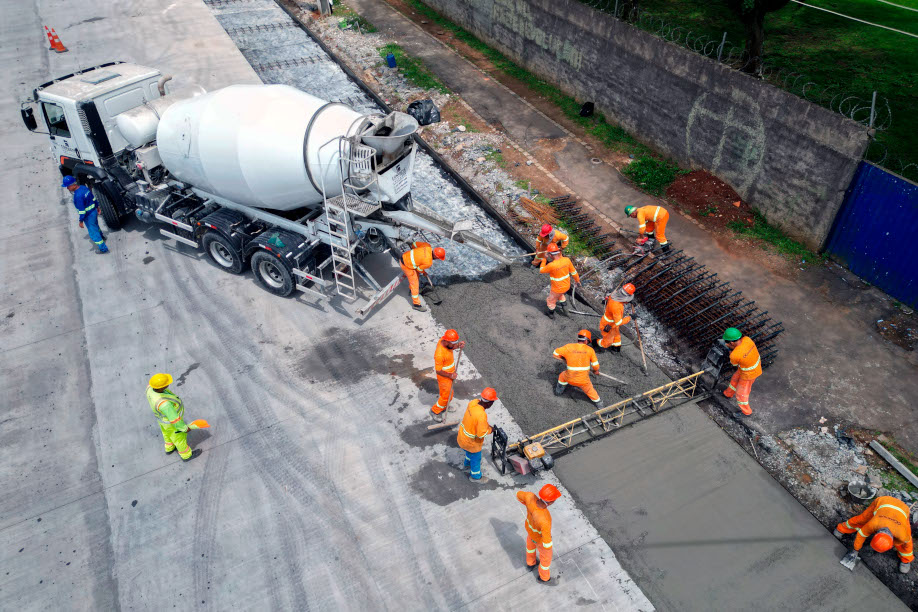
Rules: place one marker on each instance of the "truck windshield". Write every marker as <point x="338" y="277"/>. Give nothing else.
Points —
<point x="54" y="116"/>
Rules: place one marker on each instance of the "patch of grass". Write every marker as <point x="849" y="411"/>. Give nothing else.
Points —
<point x="497" y="157"/>
<point x="707" y="212"/>
<point x="521" y="184"/>
<point x="358" y="23"/>
<point x="652" y="174"/>
<point x="762" y="230"/>
<point x="413" y="69"/>
<point x="469" y="127"/>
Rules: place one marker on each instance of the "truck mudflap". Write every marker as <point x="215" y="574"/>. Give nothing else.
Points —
<point x="457" y="231"/>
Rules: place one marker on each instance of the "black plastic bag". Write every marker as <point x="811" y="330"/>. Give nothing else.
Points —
<point x="587" y="109"/>
<point x="425" y="111"/>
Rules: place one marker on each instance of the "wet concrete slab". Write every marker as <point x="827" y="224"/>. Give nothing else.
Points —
<point x="701" y="526"/>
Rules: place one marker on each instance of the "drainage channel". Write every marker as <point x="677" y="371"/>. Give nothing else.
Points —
<point x="282" y="52"/>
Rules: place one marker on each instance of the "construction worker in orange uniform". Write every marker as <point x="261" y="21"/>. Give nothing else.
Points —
<point x="614" y="317"/>
<point x="414" y="263"/>
<point x="538" y="528"/>
<point x="549" y="235"/>
<point x="580" y="358"/>
<point x="472" y="431"/>
<point x="652" y="222"/>
<point x="745" y="356"/>
<point x="559" y="270"/>
<point x="887" y="520"/>
<point x="445" y="367"/>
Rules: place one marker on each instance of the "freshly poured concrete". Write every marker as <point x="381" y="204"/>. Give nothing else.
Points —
<point x="701" y="526"/>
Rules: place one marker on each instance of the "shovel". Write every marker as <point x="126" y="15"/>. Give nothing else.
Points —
<point x="198" y="424"/>
<point x="442" y="425"/>
<point x="604" y="375"/>
<point x="850" y="560"/>
<point x="435" y="298"/>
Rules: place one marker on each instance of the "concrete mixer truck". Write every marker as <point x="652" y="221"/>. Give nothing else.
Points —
<point x="266" y="176"/>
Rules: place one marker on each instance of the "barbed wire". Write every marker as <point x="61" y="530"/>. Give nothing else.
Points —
<point x="878" y="153"/>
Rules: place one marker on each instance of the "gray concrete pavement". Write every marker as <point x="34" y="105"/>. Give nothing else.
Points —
<point x="315" y="489"/>
<point x="701" y="526"/>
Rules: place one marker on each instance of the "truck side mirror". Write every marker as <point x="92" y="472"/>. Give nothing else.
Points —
<point x="28" y="118"/>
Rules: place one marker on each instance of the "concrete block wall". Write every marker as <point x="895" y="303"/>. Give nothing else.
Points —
<point x="791" y="159"/>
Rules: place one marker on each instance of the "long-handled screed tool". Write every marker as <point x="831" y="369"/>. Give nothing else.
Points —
<point x="637" y="332"/>
<point x="604" y="375"/>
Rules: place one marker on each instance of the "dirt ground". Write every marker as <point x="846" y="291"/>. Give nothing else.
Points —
<point x="702" y="195"/>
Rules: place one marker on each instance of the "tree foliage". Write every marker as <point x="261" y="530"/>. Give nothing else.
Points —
<point x="752" y="14"/>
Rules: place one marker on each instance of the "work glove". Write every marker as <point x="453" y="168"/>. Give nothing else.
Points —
<point x="81" y="224"/>
<point x="642" y="241"/>
<point x="607" y="329"/>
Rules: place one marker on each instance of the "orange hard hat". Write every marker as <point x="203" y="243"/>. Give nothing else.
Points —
<point x="585" y="333"/>
<point x="882" y="540"/>
<point x="553" y="248"/>
<point x="451" y="335"/>
<point x="439" y="253"/>
<point x="546" y="230"/>
<point x="489" y="395"/>
<point x="628" y="288"/>
<point x="549" y="493"/>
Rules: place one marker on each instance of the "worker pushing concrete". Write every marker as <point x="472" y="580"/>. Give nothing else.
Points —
<point x="580" y="358"/>
<point x="170" y="412"/>
<point x="538" y="528"/>
<point x="614" y="317"/>
<point x="89" y="212"/>
<point x="652" y="222"/>
<point x="887" y="520"/>
<point x="745" y="356"/>
<point x="414" y="263"/>
<point x="445" y="367"/>
<point x="472" y="431"/>
<point x="559" y="270"/>
<point x="549" y="235"/>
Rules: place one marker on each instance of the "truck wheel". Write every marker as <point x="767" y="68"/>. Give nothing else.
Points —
<point x="272" y="274"/>
<point x="223" y="253"/>
<point x="107" y="208"/>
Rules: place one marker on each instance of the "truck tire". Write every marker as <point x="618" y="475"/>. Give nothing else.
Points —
<point x="107" y="208"/>
<point x="223" y="253"/>
<point x="272" y="273"/>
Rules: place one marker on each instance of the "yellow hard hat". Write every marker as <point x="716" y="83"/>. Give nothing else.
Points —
<point x="160" y="381"/>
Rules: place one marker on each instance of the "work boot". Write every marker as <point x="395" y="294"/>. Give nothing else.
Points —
<point x="482" y="480"/>
<point x="598" y="403"/>
<point x="195" y="453"/>
<point x="904" y="567"/>
<point x="103" y="249"/>
<point x="739" y="416"/>
<point x="665" y="248"/>
<point x="420" y="307"/>
<point x="438" y="417"/>
<point x="550" y="312"/>
<point x="564" y="308"/>
<point x="169" y="452"/>
<point x="560" y="388"/>
<point x="838" y="534"/>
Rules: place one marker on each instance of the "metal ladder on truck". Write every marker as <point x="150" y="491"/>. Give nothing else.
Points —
<point x="357" y="165"/>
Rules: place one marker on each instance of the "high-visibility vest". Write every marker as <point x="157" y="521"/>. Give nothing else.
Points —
<point x="746" y="356"/>
<point x="166" y="406"/>
<point x="560" y="272"/>
<point x="473" y="428"/>
<point x="580" y="358"/>
<point x="888" y="512"/>
<point x="419" y="258"/>
<point x="647" y="214"/>
<point x="443" y="359"/>
<point x="538" y="519"/>
<point x="614" y="314"/>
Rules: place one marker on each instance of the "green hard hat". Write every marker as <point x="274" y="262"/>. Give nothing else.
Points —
<point x="732" y="334"/>
<point x="629" y="210"/>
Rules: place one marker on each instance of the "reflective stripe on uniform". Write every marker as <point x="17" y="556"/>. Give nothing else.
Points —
<point x="619" y="343"/>
<point x="752" y="367"/>
<point x="449" y="367"/>
<point x="546" y="545"/>
<point x="848" y="525"/>
<point x="594" y="363"/>
<point x="86" y="210"/>
<point x="528" y="524"/>
<point x="555" y="353"/>
<point x="732" y="388"/>
<point x="578" y="368"/>
<point x="543" y="567"/>
<point x="558" y="279"/>
<point x="742" y="403"/>
<point x="462" y="427"/>
<point x="619" y="322"/>
<point x="413" y="263"/>
<point x="530" y="550"/>
<point x="897" y="508"/>
<point x="655" y="214"/>
<point x="903" y="555"/>
<point x="607" y="319"/>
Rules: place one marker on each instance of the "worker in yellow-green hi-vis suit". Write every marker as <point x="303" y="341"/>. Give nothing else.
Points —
<point x="169" y="411"/>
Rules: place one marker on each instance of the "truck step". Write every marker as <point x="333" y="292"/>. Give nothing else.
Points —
<point x="179" y="238"/>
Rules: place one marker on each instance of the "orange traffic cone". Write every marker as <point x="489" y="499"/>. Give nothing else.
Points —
<point x="50" y="40"/>
<point x="56" y="44"/>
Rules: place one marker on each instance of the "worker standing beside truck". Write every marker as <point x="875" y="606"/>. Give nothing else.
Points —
<point x="414" y="263"/>
<point x="559" y="270"/>
<point x="538" y="528"/>
<point x="887" y="520"/>
<point x="472" y="431"/>
<point x="579" y="358"/>
<point x="89" y="212"/>
<point x="549" y="235"/>
<point x="745" y="356"/>
<point x="445" y="367"/>
<point x="614" y="317"/>
<point x="652" y="222"/>
<point x="170" y="412"/>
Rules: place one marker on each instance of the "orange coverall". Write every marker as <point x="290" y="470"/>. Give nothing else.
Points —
<point x="746" y="356"/>
<point x="886" y="512"/>
<point x="556" y="236"/>
<point x="560" y="272"/>
<point x="415" y="261"/>
<point x="653" y="219"/>
<point x="580" y="358"/>
<point x="538" y="532"/>
<point x="443" y="362"/>
<point x="473" y="428"/>
<point x="612" y="319"/>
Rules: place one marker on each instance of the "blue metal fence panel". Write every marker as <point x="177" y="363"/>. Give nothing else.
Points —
<point x="876" y="232"/>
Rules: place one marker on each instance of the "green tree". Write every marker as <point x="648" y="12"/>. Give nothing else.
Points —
<point x="752" y="14"/>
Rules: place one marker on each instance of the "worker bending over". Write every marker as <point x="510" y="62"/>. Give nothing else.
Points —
<point x="652" y="222"/>
<point x="538" y="528"/>
<point x="472" y="431"/>
<point x="549" y="235"/>
<point x="414" y="263"/>
<point x="169" y="411"/>
<point x="614" y="317"/>
<point x="445" y="367"/>
<point x="580" y="358"/>
<point x="559" y="270"/>
<point x="887" y="520"/>
<point x="89" y="212"/>
<point x="745" y="356"/>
